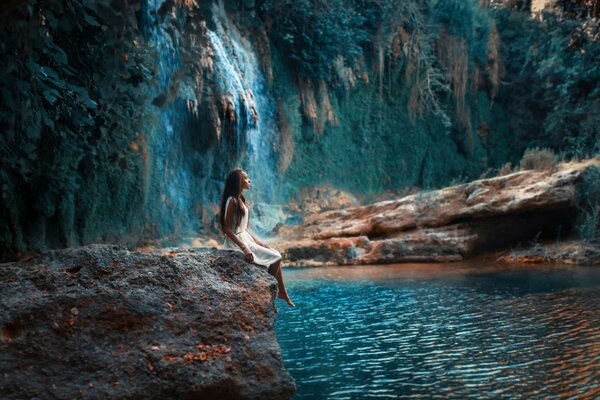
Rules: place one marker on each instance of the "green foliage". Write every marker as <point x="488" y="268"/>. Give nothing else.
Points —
<point x="376" y="149"/>
<point x="400" y="121"/>
<point x="73" y="92"/>
<point x="551" y="87"/>
<point x="313" y="33"/>
<point x="588" y="192"/>
<point x="457" y="16"/>
<point x="466" y="19"/>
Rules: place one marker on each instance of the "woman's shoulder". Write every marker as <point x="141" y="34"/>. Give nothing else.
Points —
<point x="230" y="199"/>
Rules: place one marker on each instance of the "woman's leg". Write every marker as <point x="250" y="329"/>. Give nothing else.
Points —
<point x="275" y="270"/>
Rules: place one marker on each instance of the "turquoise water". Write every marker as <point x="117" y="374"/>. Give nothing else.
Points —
<point x="442" y="331"/>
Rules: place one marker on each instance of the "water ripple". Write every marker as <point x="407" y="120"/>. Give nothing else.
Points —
<point x="393" y="333"/>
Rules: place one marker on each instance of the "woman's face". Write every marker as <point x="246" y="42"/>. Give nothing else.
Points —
<point x="245" y="181"/>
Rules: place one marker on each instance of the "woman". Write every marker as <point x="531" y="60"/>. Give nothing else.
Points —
<point x="234" y="223"/>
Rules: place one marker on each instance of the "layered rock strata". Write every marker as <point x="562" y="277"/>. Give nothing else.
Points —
<point x="441" y="225"/>
<point x="103" y="322"/>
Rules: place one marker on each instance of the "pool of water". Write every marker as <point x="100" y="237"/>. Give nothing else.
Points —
<point x="442" y="331"/>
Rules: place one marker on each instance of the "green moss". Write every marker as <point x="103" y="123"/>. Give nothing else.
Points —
<point x="376" y="147"/>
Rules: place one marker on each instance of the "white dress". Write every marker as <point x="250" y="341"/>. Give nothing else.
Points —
<point x="262" y="255"/>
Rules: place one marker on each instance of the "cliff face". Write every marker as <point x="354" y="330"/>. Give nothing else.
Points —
<point x="103" y="322"/>
<point x="452" y="223"/>
<point x="121" y="119"/>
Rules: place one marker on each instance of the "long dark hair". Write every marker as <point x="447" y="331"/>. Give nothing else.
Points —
<point x="233" y="188"/>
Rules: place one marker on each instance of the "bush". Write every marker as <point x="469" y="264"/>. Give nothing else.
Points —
<point x="539" y="159"/>
<point x="505" y="169"/>
<point x="313" y="34"/>
<point x="550" y="85"/>
<point x="589" y="227"/>
<point x="588" y="201"/>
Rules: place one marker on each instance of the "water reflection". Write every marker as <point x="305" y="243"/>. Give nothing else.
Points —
<point x="442" y="331"/>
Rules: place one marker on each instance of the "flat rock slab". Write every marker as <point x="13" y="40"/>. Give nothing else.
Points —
<point x="516" y="193"/>
<point x="102" y="322"/>
<point x="449" y="224"/>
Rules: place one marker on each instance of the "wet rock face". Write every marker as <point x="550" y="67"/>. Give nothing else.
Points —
<point x="102" y="322"/>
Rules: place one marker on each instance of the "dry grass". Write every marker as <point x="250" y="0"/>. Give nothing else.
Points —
<point x="494" y="61"/>
<point x="506" y="169"/>
<point x="285" y="146"/>
<point x="316" y="106"/>
<point x="325" y="109"/>
<point x="454" y="56"/>
<point x="539" y="159"/>
<point x="307" y="98"/>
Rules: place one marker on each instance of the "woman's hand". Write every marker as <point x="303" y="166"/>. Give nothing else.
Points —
<point x="249" y="255"/>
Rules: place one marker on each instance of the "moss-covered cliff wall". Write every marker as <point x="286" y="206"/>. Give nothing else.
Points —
<point x="121" y="118"/>
<point x="390" y="94"/>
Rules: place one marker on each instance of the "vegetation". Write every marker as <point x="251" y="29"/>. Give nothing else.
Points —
<point x="422" y="82"/>
<point x="550" y="87"/>
<point x="434" y="46"/>
<point x="456" y="58"/>
<point x="72" y="104"/>
<point x="315" y="33"/>
<point x="588" y="224"/>
<point x="371" y="95"/>
<point x="77" y="79"/>
<point x="505" y="169"/>
<point x="539" y="159"/>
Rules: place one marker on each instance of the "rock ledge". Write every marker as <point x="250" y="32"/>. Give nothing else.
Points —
<point x="102" y="322"/>
<point x="449" y="224"/>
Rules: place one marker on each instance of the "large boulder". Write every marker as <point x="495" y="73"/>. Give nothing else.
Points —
<point x="103" y="322"/>
<point x="449" y="224"/>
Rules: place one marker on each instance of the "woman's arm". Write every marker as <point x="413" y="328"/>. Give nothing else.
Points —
<point x="229" y="232"/>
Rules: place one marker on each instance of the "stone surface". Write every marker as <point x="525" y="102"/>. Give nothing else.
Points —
<point x="569" y="252"/>
<point x="441" y="225"/>
<point x="453" y="242"/>
<point x="103" y="322"/>
<point x="322" y="198"/>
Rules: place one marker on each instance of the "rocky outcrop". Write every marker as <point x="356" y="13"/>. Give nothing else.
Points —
<point x="568" y="252"/>
<point x="442" y="225"/>
<point x="103" y="322"/>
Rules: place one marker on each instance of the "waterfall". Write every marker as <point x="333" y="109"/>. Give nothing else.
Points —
<point x="240" y="77"/>
<point x="178" y="185"/>
<point x="169" y="203"/>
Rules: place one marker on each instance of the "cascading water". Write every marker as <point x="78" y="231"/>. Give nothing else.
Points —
<point x="177" y="184"/>
<point x="170" y="201"/>
<point x="240" y="77"/>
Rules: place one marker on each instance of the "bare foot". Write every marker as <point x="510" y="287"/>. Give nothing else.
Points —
<point x="284" y="296"/>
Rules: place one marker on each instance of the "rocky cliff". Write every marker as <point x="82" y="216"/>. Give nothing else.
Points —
<point x="120" y="119"/>
<point x="449" y="224"/>
<point x="103" y="322"/>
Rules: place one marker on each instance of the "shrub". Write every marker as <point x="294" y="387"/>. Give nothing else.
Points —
<point x="551" y="71"/>
<point x="314" y="34"/>
<point x="539" y="159"/>
<point x="505" y="169"/>
<point x="588" y="200"/>
<point x="589" y="227"/>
